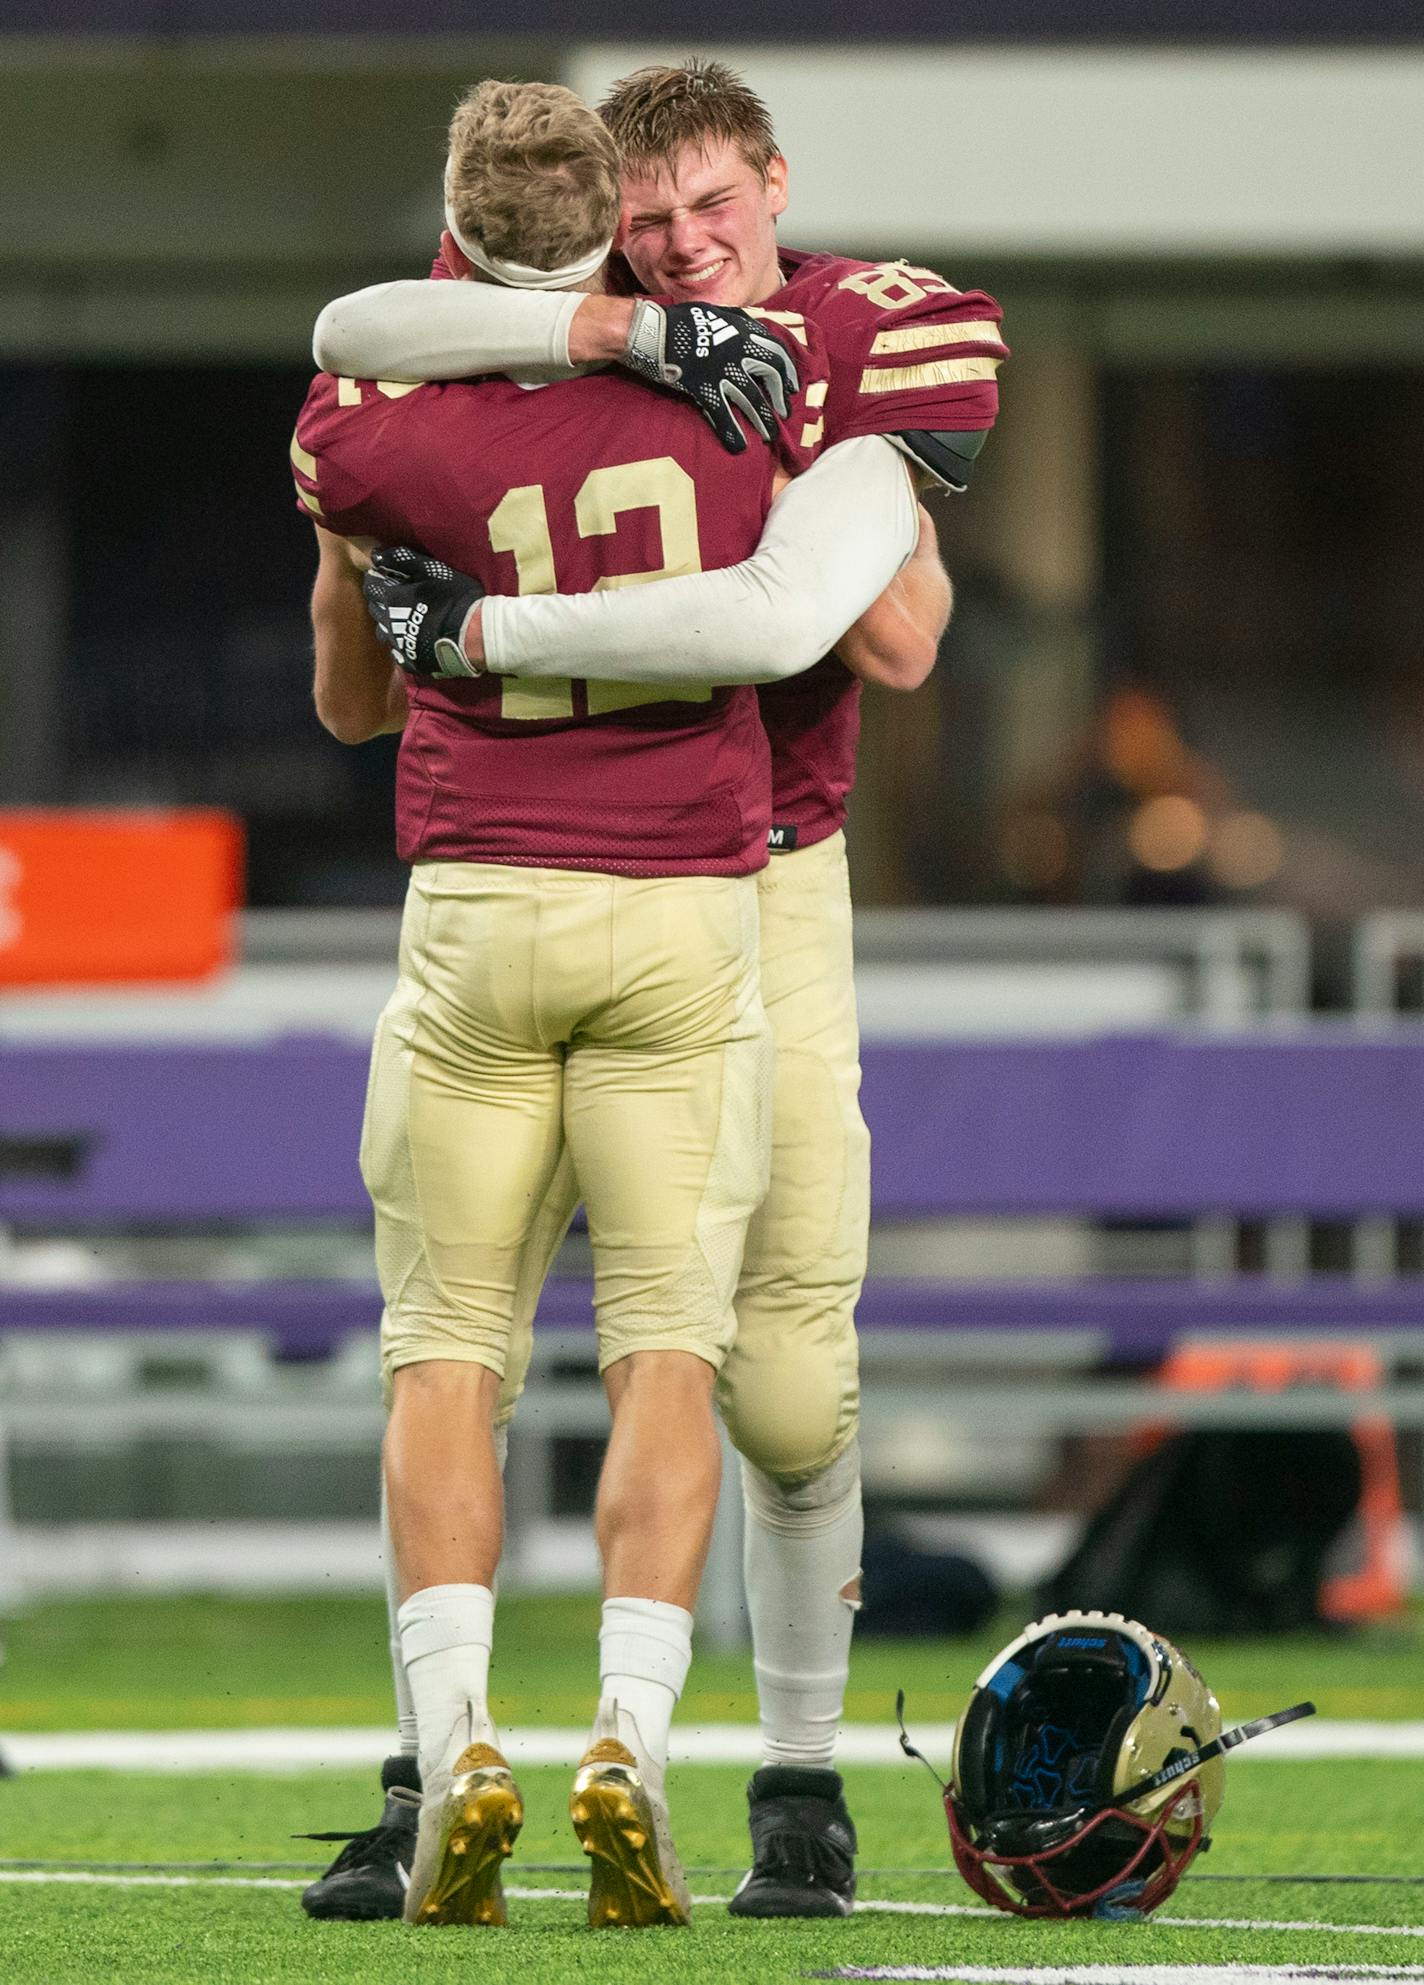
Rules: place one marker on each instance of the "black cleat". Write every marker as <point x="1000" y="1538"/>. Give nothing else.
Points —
<point x="803" y="1846"/>
<point x="367" y="1881"/>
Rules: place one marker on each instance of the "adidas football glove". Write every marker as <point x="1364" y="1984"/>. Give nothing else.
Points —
<point x="420" y="606"/>
<point x="722" y="360"/>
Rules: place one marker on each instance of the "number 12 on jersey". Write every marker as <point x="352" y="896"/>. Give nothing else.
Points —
<point x="519" y="524"/>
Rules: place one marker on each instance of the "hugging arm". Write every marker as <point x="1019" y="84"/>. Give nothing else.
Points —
<point x="833" y="541"/>
<point x="359" y="693"/>
<point x="447" y="330"/>
<point x="895" y="642"/>
<point x="741" y="379"/>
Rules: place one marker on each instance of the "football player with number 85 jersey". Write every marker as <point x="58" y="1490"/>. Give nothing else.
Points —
<point x="578" y="1009"/>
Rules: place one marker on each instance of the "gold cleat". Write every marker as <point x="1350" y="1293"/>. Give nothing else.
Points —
<point x="636" y="1878"/>
<point x="479" y="1823"/>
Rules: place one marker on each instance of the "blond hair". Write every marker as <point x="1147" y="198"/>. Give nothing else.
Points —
<point x="532" y="173"/>
<point x="655" y="113"/>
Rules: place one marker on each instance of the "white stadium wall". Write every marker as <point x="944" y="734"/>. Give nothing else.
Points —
<point x="1090" y="152"/>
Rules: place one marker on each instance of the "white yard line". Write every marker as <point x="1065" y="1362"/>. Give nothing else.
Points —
<point x="338" y="1749"/>
<point x="869" y="1906"/>
<point x="1177" y="1922"/>
<point x="1338" y="1929"/>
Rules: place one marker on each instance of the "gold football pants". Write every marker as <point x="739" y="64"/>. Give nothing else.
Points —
<point x="558" y="1034"/>
<point x="790" y="1388"/>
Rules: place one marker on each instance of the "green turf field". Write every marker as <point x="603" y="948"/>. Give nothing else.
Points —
<point x="168" y="1664"/>
<point x="157" y="1664"/>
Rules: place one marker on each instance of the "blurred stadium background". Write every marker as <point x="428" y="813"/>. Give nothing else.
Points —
<point x="1140" y="870"/>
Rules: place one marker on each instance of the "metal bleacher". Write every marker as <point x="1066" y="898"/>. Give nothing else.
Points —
<point x="185" y="1212"/>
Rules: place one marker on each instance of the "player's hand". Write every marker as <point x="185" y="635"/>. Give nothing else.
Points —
<point x="420" y="606"/>
<point x="723" y="360"/>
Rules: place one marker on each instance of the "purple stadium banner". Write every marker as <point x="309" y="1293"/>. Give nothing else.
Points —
<point x="670" y="23"/>
<point x="1322" y="1119"/>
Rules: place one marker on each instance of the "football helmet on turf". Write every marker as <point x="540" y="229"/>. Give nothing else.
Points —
<point x="1062" y="1726"/>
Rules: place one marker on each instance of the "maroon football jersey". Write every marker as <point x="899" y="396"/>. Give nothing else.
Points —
<point x="587" y="483"/>
<point x="906" y="352"/>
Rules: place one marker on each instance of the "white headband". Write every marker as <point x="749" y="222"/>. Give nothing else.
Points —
<point x="519" y="275"/>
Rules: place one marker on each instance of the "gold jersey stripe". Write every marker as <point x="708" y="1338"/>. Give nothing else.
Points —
<point x="305" y="465"/>
<point x="816" y="394"/>
<point x="925" y="337"/>
<point x="940" y="372"/>
<point x="348" y="391"/>
<point x="812" y="431"/>
<point x="790" y="320"/>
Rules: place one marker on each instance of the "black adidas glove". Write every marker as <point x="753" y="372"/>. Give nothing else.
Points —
<point x="420" y="606"/>
<point x="722" y="360"/>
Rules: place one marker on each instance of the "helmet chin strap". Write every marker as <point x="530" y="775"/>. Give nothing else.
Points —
<point x="907" y="1747"/>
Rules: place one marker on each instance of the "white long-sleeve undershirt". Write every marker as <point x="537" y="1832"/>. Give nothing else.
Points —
<point x="833" y="541"/>
<point x="445" y="330"/>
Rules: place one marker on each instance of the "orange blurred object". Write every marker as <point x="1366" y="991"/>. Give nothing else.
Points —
<point x="88" y="897"/>
<point x="1376" y="1587"/>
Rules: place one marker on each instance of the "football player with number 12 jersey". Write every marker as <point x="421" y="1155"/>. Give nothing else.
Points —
<point x="578" y="992"/>
<point x="911" y="360"/>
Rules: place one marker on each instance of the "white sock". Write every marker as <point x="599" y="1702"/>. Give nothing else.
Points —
<point x="407" y="1741"/>
<point x="802" y="1553"/>
<point x="446" y="1632"/>
<point x="644" y="1653"/>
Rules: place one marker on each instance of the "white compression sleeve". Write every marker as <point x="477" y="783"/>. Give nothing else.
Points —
<point x="802" y="1555"/>
<point x="833" y="541"/>
<point x="434" y="330"/>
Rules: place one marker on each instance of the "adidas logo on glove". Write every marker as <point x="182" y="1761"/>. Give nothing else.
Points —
<point x="405" y="622"/>
<point x="711" y="329"/>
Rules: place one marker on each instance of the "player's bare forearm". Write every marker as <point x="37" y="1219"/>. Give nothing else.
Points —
<point x="895" y="641"/>
<point x="359" y="692"/>
<point x="598" y="334"/>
